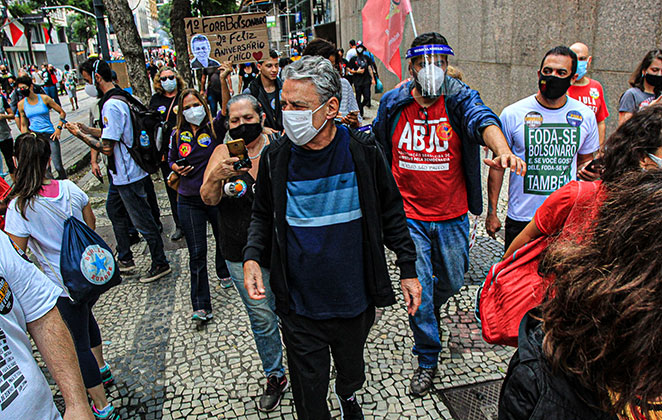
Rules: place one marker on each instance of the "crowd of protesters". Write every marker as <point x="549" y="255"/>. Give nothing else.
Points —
<point x="302" y="214"/>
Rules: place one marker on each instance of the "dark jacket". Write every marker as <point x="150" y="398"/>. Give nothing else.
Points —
<point x="467" y="115"/>
<point x="383" y="219"/>
<point x="531" y="391"/>
<point x="274" y="118"/>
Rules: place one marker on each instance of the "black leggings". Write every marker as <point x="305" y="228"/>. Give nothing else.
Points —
<point x="7" y="149"/>
<point x="86" y="334"/>
<point x="362" y="96"/>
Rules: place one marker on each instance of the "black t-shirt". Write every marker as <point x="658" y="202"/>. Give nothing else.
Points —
<point x="162" y="104"/>
<point x="361" y="62"/>
<point x="247" y="78"/>
<point x="213" y="79"/>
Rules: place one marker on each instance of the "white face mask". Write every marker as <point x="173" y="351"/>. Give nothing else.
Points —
<point x="169" y="85"/>
<point x="299" y="125"/>
<point x="195" y="115"/>
<point x="430" y="77"/>
<point x="91" y="90"/>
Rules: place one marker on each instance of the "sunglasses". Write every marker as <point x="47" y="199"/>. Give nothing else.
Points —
<point x="163" y="79"/>
<point x="423" y="113"/>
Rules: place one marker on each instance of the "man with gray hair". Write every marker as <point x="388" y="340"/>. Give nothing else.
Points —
<point x="325" y="206"/>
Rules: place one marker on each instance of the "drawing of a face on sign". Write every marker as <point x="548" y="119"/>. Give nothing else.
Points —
<point x="201" y="48"/>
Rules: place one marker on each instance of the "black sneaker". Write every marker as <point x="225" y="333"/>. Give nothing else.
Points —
<point x="349" y="408"/>
<point x="272" y="393"/>
<point x="421" y="382"/>
<point x="126" y="266"/>
<point x="155" y="273"/>
<point x="134" y="238"/>
<point x="177" y="235"/>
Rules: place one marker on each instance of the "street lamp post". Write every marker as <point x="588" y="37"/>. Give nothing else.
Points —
<point x="101" y="24"/>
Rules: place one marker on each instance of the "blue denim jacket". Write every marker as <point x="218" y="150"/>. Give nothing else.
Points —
<point x="468" y="116"/>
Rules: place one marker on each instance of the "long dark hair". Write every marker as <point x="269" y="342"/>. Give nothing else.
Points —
<point x="32" y="151"/>
<point x="628" y="145"/>
<point x="602" y="325"/>
<point x="180" y="110"/>
<point x="637" y="78"/>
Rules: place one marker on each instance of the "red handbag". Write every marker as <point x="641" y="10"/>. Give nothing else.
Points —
<point x="513" y="286"/>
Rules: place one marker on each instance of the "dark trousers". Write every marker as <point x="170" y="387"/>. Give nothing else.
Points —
<point x="135" y="198"/>
<point x="513" y="228"/>
<point x="86" y="335"/>
<point x="309" y="344"/>
<point x="194" y="215"/>
<point x="7" y="148"/>
<point x="153" y="202"/>
<point x="362" y="96"/>
<point x="172" y="194"/>
<point x="213" y="99"/>
<point x="52" y="92"/>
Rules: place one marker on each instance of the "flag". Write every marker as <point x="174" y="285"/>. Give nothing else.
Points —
<point x="16" y="34"/>
<point x="383" y="24"/>
<point x="47" y="35"/>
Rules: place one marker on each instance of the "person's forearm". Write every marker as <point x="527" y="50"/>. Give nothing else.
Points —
<point x="94" y="132"/>
<point x="495" y="140"/>
<point x="211" y="191"/>
<point x="93" y="142"/>
<point x="529" y="233"/>
<point x="602" y="130"/>
<point x="494" y="182"/>
<point x="54" y="342"/>
<point x="225" y="96"/>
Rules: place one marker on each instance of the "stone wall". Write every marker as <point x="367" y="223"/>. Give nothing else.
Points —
<point x="499" y="44"/>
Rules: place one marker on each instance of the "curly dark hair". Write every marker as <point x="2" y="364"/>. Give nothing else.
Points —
<point x="602" y="325"/>
<point x="628" y="145"/>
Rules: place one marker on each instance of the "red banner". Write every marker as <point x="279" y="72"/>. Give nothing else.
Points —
<point x="383" y="24"/>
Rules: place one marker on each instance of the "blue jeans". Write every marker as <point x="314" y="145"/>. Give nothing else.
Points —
<point x="442" y="258"/>
<point x="193" y="216"/>
<point x="135" y="198"/>
<point x="213" y="101"/>
<point x="264" y="322"/>
<point x="52" y="92"/>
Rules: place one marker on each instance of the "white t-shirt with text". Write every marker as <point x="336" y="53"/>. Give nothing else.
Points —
<point x="25" y="296"/>
<point x="548" y="140"/>
<point x="45" y="227"/>
<point x="117" y="126"/>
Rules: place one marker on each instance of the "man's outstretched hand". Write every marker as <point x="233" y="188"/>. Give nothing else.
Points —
<point x="505" y="161"/>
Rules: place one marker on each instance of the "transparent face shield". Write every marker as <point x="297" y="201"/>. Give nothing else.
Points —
<point x="428" y="63"/>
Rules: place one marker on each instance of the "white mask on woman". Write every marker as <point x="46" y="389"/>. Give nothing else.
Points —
<point x="195" y="115"/>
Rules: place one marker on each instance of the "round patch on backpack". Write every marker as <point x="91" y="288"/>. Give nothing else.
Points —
<point x="97" y="265"/>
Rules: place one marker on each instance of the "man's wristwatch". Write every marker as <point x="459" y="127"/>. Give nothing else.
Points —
<point x="59" y="127"/>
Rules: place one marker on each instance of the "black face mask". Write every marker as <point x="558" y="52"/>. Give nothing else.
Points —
<point x="552" y="87"/>
<point x="24" y="92"/>
<point x="654" y="80"/>
<point x="248" y="132"/>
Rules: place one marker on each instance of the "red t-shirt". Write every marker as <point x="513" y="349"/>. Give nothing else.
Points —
<point x="552" y="216"/>
<point x="427" y="164"/>
<point x="592" y="96"/>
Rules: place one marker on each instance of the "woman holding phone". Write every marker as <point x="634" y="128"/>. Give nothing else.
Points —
<point x="191" y="145"/>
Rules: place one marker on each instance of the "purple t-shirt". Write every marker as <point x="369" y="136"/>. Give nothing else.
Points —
<point x="197" y="149"/>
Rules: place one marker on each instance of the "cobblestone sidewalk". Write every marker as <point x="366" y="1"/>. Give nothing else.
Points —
<point x="167" y="369"/>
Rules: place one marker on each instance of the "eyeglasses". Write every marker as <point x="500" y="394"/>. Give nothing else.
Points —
<point x="163" y="79"/>
<point x="423" y="113"/>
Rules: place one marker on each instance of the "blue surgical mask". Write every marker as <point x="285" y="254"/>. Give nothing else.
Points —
<point x="657" y="160"/>
<point x="582" y="68"/>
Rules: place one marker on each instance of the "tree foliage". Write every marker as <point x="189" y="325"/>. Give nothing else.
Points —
<point x="82" y="28"/>
<point x="164" y="17"/>
<point x="213" y="7"/>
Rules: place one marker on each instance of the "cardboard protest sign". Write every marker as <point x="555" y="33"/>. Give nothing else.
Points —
<point x="239" y="38"/>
